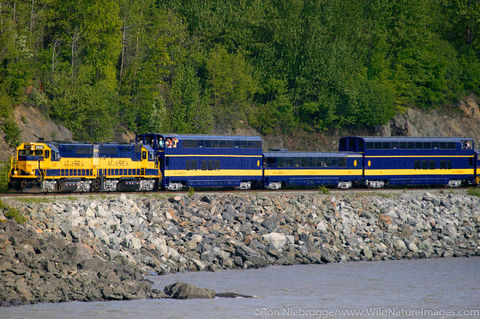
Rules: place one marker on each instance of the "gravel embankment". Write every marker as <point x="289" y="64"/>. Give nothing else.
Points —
<point x="95" y="248"/>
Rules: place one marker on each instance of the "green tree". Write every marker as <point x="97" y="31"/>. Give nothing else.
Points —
<point x="189" y="112"/>
<point x="231" y="87"/>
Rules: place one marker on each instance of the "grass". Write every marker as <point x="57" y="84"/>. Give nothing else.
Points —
<point x="473" y="191"/>
<point x="323" y="190"/>
<point x="158" y="195"/>
<point x="376" y="194"/>
<point x="191" y="191"/>
<point x="12" y="213"/>
<point x="34" y="200"/>
<point x="4" y="167"/>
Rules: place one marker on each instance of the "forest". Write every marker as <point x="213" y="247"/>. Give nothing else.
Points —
<point x="197" y="66"/>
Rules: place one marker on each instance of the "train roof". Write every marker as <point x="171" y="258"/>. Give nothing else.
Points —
<point x="408" y="138"/>
<point x="54" y="146"/>
<point x="206" y="137"/>
<point x="311" y="154"/>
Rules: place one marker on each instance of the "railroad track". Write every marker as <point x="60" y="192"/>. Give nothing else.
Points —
<point x="234" y="191"/>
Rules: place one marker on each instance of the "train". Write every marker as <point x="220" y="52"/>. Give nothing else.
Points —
<point x="174" y="162"/>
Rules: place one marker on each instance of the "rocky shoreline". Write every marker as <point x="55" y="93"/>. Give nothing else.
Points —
<point x="100" y="247"/>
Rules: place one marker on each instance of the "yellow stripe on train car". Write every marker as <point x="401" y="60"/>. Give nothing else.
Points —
<point x="313" y="172"/>
<point x="404" y="172"/>
<point x="221" y="172"/>
<point x="419" y="156"/>
<point x="204" y="155"/>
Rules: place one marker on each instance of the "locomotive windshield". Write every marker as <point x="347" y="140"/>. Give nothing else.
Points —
<point x="23" y="153"/>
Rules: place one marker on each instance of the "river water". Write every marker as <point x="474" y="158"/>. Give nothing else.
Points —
<point x="428" y="288"/>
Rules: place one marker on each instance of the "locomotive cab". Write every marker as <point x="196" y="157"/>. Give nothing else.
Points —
<point x="27" y="165"/>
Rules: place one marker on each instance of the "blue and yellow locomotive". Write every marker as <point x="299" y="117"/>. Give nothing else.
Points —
<point x="81" y="167"/>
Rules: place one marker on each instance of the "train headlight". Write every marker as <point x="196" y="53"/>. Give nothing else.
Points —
<point x="32" y="172"/>
<point x="15" y="172"/>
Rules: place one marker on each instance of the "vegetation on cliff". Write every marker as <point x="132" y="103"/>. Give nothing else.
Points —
<point x="190" y="66"/>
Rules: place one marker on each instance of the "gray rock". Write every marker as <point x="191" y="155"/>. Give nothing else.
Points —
<point x="276" y="240"/>
<point x="181" y="290"/>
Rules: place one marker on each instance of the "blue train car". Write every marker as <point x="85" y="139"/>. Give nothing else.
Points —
<point x="414" y="160"/>
<point x="312" y="169"/>
<point x="207" y="160"/>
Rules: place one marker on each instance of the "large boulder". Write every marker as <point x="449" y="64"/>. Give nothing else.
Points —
<point x="181" y="290"/>
<point x="276" y="239"/>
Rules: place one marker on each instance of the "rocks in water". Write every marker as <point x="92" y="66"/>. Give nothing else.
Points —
<point x="181" y="290"/>
<point x="232" y="295"/>
<point x="97" y="248"/>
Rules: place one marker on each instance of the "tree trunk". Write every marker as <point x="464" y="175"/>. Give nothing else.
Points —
<point x="53" y="54"/>
<point x="124" y="35"/>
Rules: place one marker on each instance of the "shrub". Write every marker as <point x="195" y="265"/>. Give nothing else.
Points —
<point x="12" y="213"/>
<point x="323" y="190"/>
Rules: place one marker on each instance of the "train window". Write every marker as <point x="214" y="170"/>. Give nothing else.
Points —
<point x="386" y="145"/>
<point x="394" y="145"/>
<point x="470" y="161"/>
<point x="208" y="143"/>
<point x="222" y="144"/>
<point x="289" y="162"/>
<point x="296" y="162"/>
<point x="451" y="145"/>
<point x="193" y="164"/>
<point x="403" y="145"/>
<point x="427" y="145"/>
<point x="189" y="143"/>
<point x="325" y="162"/>
<point x="378" y="145"/>
<point x="342" y="162"/>
<point x="411" y="145"/>
<point x="229" y="144"/>
<point x="210" y="164"/>
<point x="305" y="162"/>
<point x="449" y="164"/>
<point x="216" y="144"/>
<point x="333" y="162"/>
<point x="431" y="164"/>
<point x="418" y="145"/>
<point x="144" y="155"/>
<point x="47" y="153"/>
<point x="417" y="164"/>
<point x="270" y="161"/>
<point x="435" y="145"/>
<point x="443" y="164"/>
<point x="466" y="145"/>
<point x="204" y="164"/>
<point x="443" y="145"/>
<point x="370" y="146"/>
<point x="188" y="165"/>
<point x="38" y="152"/>
<point x="70" y="172"/>
<point x="424" y="164"/>
<point x="217" y="164"/>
